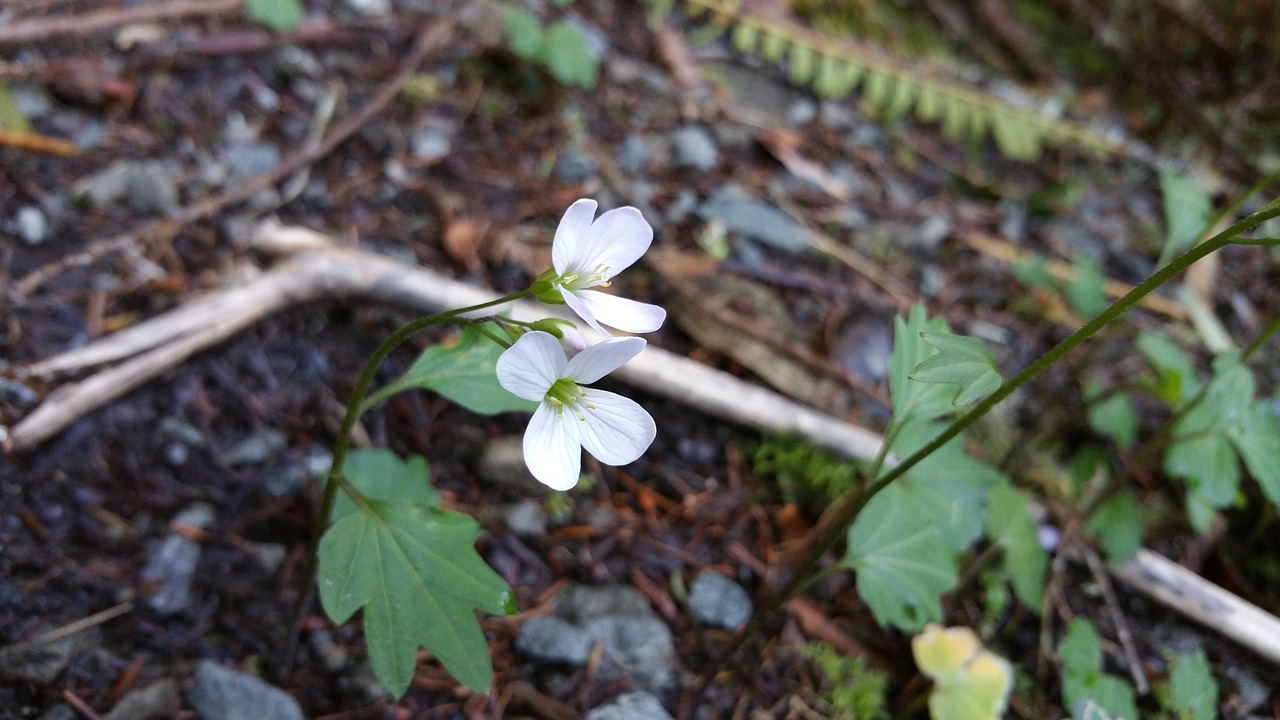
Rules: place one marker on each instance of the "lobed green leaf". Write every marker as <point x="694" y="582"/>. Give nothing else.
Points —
<point x="414" y="570"/>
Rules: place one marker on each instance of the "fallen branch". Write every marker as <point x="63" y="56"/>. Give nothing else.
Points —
<point x="85" y="23"/>
<point x="316" y="269"/>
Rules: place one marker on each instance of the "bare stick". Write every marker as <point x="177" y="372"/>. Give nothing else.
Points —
<point x="1189" y="594"/>
<point x="90" y="22"/>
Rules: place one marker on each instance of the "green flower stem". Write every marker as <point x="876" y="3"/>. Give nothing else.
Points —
<point x="1261" y="340"/>
<point x="371" y="399"/>
<point x="334" y="479"/>
<point x="835" y="522"/>
<point x="354" y="405"/>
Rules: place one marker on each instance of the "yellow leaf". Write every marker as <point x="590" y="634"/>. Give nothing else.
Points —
<point x="970" y="682"/>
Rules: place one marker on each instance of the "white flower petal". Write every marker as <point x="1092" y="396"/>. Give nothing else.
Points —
<point x="615" y="240"/>
<point x="552" y="449"/>
<point x="619" y="312"/>
<point x="602" y="358"/>
<point x="531" y="365"/>
<point x="571" y="233"/>
<point x="579" y="306"/>
<point x="616" y="430"/>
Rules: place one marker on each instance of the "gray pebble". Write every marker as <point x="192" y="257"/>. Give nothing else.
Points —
<point x="717" y="601"/>
<point x="156" y="701"/>
<point x="754" y="219"/>
<point x="431" y="142"/>
<point x="551" y="639"/>
<point x="527" y="518"/>
<point x="255" y="448"/>
<point x="171" y="566"/>
<point x="633" y="156"/>
<point x="640" y="649"/>
<point x="637" y="705"/>
<point x="40" y="663"/>
<point x="245" y="160"/>
<point x="31" y="224"/>
<point x="16" y="394"/>
<point x="219" y="693"/>
<point x="694" y="147"/>
<point x="582" y="603"/>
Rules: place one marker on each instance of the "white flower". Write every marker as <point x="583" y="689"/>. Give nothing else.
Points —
<point x="615" y="429"/>
<point x="588" y="252"/>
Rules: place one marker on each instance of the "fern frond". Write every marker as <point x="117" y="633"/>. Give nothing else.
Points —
<point x="892" y="89"/>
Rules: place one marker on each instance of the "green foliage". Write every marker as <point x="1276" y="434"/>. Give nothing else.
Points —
<point x="1176" y="382"/>
<point x="857" y="691"/>
<point x="276" y="15"/>
<point x="1113" y="415"/>
<point x="413" y="568"/>
<point x="961" y="361"/>
<point x="835" y="67"/>
<point x="1187" y="213"/>
<point x="464" y="372"/>
<point x="904" y="542"/>
<point x="970" y="682"/>
<point x="11" y="118"/>
<point x="949" y="486"/>
<point x="807" y="474"/>
<point x="1225" y="421"/>
<point x="1085" y="292"/>
<point x="1117" y="523"/>
<point x="1193" y="693"/>
<point x="560" y="48"/>
<point x="913" y="399"/>
<point x="1010" y="526"/>
<point x="901" y="561"/>
<point x="1084" y="684"/>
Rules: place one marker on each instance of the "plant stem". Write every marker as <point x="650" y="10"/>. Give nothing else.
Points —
<point x="335" y="479"/>
<point x="842" y="515"/>
<point x="836" y="521"/>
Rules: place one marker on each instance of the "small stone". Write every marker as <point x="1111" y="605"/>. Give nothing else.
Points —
<point x="156" y="701"/>
<point x="332" y="656"/>
<point x="574" y="167"/>
<point x="431" y="142"/>
<point x="269" y="556"/>
<point x="633" y="156"/>
<point x="717" y="601"/>
<point x="16" y="394"/>
<point x="637" y="705"/>
<point x="802" y="111"/>
<point x="176" y="454"/>
<point x="60" y="712"/>
<point x="551" y="639"/>
<point x="582" y="603"/>
<point x="754" y="219"/>
<point x="502" y="461"/>
<point x="219" y="693"/>
<point x="167" y="576"/>
<point x="527" y="518"/>
<point x="31" y="224"/>
<point x="247" y="159"/>
<point x="930" y="233"/>
<point x="639" y="649"/>
<point x="152" y="189"/>
<point x="148" y="187"/>
<point x="292" y="61"/>
<point x="31" y="101"/>
<point x="694" y="147"/>
<point x="39" y="663"/>
<point x="370" y="8"/>
<point x="255" y="448"/>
